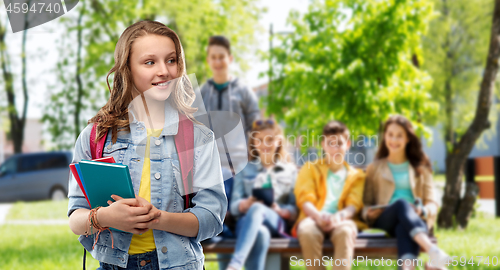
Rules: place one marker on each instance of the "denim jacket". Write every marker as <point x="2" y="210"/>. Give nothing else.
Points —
<point x="174" y="251"/>
<point x="283" y="184"/>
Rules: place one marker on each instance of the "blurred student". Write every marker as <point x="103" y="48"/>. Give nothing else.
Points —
<point x="262" y="199"/>
<point x="225" y="92"/>
<point x="399" y="193"/>
<point x="329" y="195"/>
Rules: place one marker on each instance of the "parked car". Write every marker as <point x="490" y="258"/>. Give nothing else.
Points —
<point x="35" y="176"/>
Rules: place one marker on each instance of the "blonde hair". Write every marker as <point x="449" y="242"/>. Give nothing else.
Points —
<point x="115" y="113"/>
<point x="281" y="154"/>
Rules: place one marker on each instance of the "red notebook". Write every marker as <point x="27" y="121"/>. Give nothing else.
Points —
<point x="77" y="177"/>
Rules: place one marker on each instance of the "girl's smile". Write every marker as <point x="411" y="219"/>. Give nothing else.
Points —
<point x="162" y="84"/>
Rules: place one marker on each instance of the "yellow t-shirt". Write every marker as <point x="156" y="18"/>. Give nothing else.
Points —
<point x="145" y="242"/>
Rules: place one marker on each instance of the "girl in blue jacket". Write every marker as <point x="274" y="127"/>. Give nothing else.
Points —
<point x="157" y="230"/>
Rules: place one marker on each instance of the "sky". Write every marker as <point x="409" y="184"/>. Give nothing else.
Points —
<point x="42" y="55"/>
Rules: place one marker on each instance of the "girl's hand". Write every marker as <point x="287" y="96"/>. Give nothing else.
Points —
<point x="323" y="220"/>
<point x="142" y="202"/>
<point x="245" y="204"/>
<point x="283" y="213"/>
<point x="127" y="215"/>
<point x="373" y="214"/>
<point x="335" y="219"/>
<point x="418" y="210"/>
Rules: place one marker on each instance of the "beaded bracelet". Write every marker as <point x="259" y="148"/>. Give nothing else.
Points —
<point x="94" y="223"/>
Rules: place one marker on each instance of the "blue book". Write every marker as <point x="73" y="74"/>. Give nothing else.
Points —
<point x="105" y="179"/>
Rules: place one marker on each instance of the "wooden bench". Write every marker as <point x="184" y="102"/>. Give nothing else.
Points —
<point x="371" y="245"/>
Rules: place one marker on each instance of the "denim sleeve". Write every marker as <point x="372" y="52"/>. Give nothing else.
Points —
<point x="210" y="200"/>
<point x="82" y="151"/>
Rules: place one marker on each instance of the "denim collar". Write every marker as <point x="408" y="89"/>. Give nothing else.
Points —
<point x="170" y="126"/>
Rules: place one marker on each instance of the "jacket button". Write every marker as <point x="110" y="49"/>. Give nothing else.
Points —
<point x="143" y="262"/>
<point x="164" y="249"/>
<point x="157" y="175"/>
<point x="157" y="142"/>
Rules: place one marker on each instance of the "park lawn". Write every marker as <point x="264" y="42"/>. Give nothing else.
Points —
<point x="26" y="247"/>
<point x="56" y="247"/>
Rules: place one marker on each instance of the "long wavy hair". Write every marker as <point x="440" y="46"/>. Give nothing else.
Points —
<point x="259" y="125"/>
<point x="413" y="150"/>
<point x="114" y="114"/>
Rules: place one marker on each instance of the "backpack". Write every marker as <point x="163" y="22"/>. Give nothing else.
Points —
<point x="184" y="144"/>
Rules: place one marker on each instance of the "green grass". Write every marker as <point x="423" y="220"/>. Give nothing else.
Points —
<point x="56" y="247"/>
<point x="39" y="210"/>
<point x="41" y="247"/>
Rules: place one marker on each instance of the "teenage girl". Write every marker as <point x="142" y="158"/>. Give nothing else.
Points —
<point x="399" y="193"/>
<point x="269" y="167"/>
<point x="142" y="117"/>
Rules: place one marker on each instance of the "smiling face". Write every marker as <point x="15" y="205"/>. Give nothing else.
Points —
<point x="335" y="147"/>
<point x="153" y="63"/>
<point x="219" y="59"/>
<point x="395" y="138"/>
<point x="265" y="142"/>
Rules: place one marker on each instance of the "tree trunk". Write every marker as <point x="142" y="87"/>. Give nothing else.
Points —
<point x="22" y="120"/>
<point x="456" y="159"/>
<point x="467" y="204"/>
<point x="78" y="105"/>
<point x="15" y="124"/>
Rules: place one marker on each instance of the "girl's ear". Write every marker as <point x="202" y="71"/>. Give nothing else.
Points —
<point x="231" y="58"/>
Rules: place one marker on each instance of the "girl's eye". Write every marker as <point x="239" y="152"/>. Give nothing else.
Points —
<point x="147" y="63"/>
<point x="171" y="61"/>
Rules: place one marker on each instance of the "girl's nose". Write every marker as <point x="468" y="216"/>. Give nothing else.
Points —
<point x="162" y="70"/>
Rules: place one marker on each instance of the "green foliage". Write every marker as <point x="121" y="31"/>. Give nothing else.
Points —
<point x="102" y="24"/>
<point x="455" y="49"/>
<point x="352" y="61"/>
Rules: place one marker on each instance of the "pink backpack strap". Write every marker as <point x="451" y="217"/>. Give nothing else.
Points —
<point x="96" y="148"/>
<point x="184" y="143"/>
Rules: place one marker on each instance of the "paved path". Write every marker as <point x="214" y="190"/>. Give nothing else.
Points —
<point x="4" y="210"/>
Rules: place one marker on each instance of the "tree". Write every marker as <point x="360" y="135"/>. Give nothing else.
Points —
<point x="17" y="120"/>
<point x="460" y="150"/>
<point x="355" y="61"/>
<point x="97" y="30"/>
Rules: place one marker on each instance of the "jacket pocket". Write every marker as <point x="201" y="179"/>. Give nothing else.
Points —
<point x="116" y="150"/>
